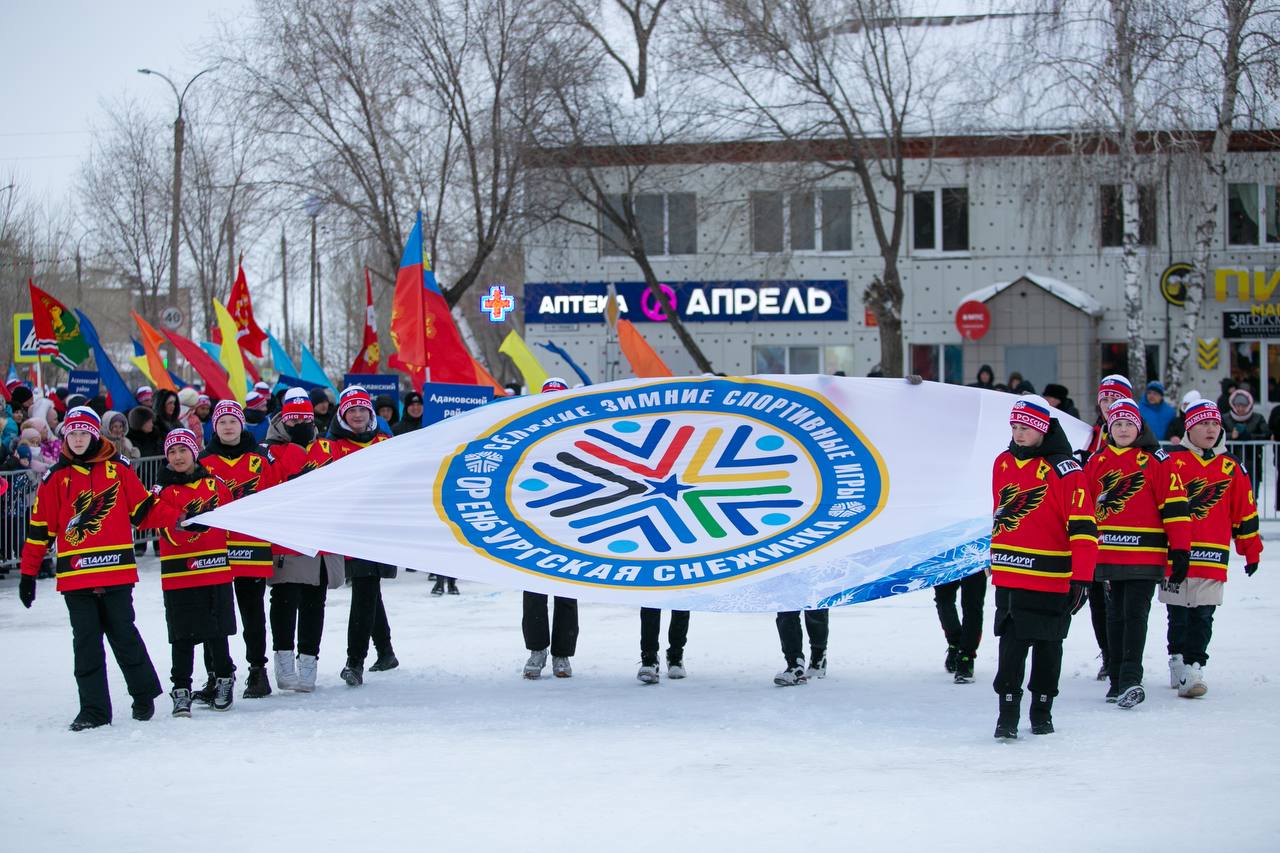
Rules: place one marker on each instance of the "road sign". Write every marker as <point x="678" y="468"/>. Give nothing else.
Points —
<point x="973" y="319"/>
<point x="172" y="318"/>
<point x="1173" y="283"/>
<point x="24" y="339"/>
<point x="1207" y="353"/>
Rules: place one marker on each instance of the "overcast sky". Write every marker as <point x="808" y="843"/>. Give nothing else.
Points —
<point x="62" y="58"/>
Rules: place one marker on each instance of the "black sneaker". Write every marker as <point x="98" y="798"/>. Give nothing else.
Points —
<point x="352" y="674"/>
<point x="438" y="589"/>
<point x="205" y="694"/>
<point x="144" y="709"/>
<point x="964" y="669"/>
<point x="453" y="587"/>
<point x="1113" y="693"/>
<point x="257" y="685"/>
<point x="385" y="662"/>
<point x="181" y="702"/>
<point x="82" y="723"/>
<point x="950" y="663"/>
<point x="223" y="693"/>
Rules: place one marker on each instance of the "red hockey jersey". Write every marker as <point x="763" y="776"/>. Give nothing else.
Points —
<point x="340" y="447"/>
<point x="189" y="558"/>
<point x="1140" y="504"/>
<point x="1043" y="534"/>
<point x="90" y="509"/>
<point x="246" y="474"/>
<point x="1220" y="503"/>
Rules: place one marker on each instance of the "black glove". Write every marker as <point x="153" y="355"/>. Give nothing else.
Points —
<point x="1250" y="568"/>
<point x="1181" y="563"/>
<point x="1079" y="596"/>
<point x="187" y="524"/>
<point x="27" y="590"/>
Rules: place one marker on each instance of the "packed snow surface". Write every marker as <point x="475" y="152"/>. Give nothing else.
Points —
<point x="454" y="750"/>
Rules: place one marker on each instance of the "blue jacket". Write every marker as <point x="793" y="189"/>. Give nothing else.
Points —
<point x="1157" y="417"/>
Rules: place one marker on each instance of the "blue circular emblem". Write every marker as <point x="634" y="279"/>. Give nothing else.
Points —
<point x="671" y="485"/>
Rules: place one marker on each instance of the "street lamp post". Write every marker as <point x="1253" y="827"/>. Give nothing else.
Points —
<point x="179" y="124"/>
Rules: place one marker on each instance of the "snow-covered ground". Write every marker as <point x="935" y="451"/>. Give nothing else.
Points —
<point x="456" y="751"/>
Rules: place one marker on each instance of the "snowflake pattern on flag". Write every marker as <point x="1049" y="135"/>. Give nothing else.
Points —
<point x="483" y="461"/>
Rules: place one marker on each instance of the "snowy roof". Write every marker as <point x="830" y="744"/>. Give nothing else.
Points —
<point x="1071" y="295"/>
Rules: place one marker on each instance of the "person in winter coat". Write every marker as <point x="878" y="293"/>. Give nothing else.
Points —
<point x="165" y="405"/>
<point x="322" y="403"/>
<point x="44" y="419"/>
<point x="88" y="506"/>
<point x="143" y="434"/>
<point x="187" y="400"/>
<point x="255" y="415"/>
<point x="1141" y="507"/>
<point x="412" y="417"/>
<point x="195" y="576"/>
<point x="33" y="458"/>
<point x="385" y="408"/>
<point x="234" y="457"/>
<point x="299" y="583"/>
<point x="144" y="395"/>
<point x="1043" y="546"/>
<point x="117" y="428"/>
<point x="352" y="431"/>
<point x="559" y="633"/>
<point x="1156" y="413"/>
<point x="21" y="399"/>
<point x="9" y="429"/>
<point x="1060" y="398"/>
<point x="1221" y="506"/>
<point x="1226" y="385"/>
<point x="986" y="378"/>
<point x="1242" y="423"/>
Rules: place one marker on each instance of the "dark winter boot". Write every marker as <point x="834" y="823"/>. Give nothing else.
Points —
<point x="438" y="589"/>
<point x="205" y="694"/>
<point x="964" y="669"/>
<point x="1007" y="722"/>
<point x="950" y="663"/>
<point x="144" y="709"/>
<point x="1041" y="718"/>
<point x="224" y="690"/>
<point x="1113" y="693"/>
<point x="386" y="660"/>
<point x="353" y="673"/>
<point x="257" y="684"/>
<point x="82" y="723"/>
<point x="453" y="587"/>
<point x="181" y="702"/>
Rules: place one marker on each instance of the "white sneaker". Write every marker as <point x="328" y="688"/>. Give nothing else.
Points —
<point x="676" y="670"/>
<point x="560" y="667"/>
<point x="1192" y="685"/>
<point x="286" y="674"/>
<point x="818" y="668"/>
<point x="536" y="663"/>
<point x="792" y="675"/>
<point x="648" y="673"/>
<point x="307" y="665"/>
<point x="1176" y="668"/>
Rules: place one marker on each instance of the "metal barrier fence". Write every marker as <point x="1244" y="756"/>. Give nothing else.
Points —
<point x="1259" y="458"/>
<point x="15" y="507"/>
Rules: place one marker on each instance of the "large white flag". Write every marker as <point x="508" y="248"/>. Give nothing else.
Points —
<point x="748" y="494"/>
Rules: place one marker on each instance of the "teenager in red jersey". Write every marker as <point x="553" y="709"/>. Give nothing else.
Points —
<point x="1141" y="507"/>
<point x="1043" y="544"/>
<point x="1221" y="505"/>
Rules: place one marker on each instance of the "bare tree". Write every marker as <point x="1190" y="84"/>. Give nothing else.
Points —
<point x="641" y="17"/>
<point x="849" y="75"/>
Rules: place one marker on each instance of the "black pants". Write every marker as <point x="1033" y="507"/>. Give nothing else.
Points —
<point x="217" y="652"/>
<point x="108" y="614"/>
<point x="1046" y="666"/>
<point x="300" y="607"/>
<point x="815" y="622"/>
<point x="966" y="633"/>
<point x="1190" y="629"/>
<point x="651" y="627"/>
<point x="1098" y="615"/>
<point x="368" y="620"/>
<point x="251" y="596"/>
<point x="1128" y="605"/>
<point x="560" y="632"/>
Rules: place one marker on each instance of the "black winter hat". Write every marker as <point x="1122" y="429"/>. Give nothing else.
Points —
<point x="412" y="397"/>
<point x="317" y="395"/>
<point x="1056" y="391"/>
<point x="21" y="396"/>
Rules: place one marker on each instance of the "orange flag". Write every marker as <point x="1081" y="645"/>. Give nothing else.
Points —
<point x="484" y="378"/>
<point x="151" y="340"/>
<point x="644" y="362"/>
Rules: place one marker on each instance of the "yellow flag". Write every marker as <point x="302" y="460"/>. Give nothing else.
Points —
<point x="140" y="362"/>
<point x="514" y="348"/>
<point x="230" y="356"/>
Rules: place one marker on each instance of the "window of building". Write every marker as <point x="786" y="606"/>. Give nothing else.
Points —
<point x="938" y="362"/>
<point x="803" y="359"/>
<point x="940" y="220"/>
<point x="1115" y="359"/>
<point x="1252" y="218"/>
<point x="667" y="222"/>
<point x="1111" y="215"/>
<point x="802" y="221"/>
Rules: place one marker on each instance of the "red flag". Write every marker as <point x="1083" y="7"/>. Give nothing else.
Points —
<point x="215" y="378"/>
<point x="240" y="308"/>
<point x="422" y="327"/>
<point x="645" y="363"/>
<point x="368" y="358"/>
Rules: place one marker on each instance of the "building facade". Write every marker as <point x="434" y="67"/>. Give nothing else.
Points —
<point x="768" y="262"/>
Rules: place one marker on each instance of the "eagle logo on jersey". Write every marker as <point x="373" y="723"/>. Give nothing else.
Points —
<point x="1116" y="491"/>
<point x="91" y="510"/>
<point x="1203" y="496"/>
<point x="1015" y="505"/>
<point x="195" y="506"/>
<point x="239" y="490"/>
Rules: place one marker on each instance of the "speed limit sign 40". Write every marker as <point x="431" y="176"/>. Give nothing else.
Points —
<point x="172" y="317"/>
